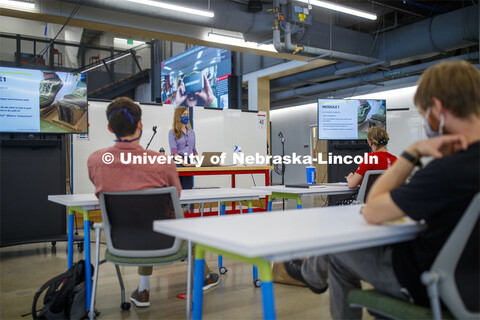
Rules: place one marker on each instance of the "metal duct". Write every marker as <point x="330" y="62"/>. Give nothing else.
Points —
<point x="426" y="38"/>
<point x="256" y="27"/>
<point x="324" y="73"/>
<point x="330" y="37"/>
<point x="360" y="80"/>
<point x="447" y="32"/>
<point x="228" y="15"/>
<point x="423" y="39"/>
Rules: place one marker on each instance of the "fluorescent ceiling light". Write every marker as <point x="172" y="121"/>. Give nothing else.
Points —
<point x="218" y="38"/>
<point x="339" y="8"/>
<point x="163" y="5"/>
<point x="17" y="4"/>
<point x="168" y="68"/>
<point x="126" y="41"/>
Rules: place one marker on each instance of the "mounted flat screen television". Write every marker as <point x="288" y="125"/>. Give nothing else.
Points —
<point x="41" y="101"/>
<point x="349" y="119"/>
<point x="199" y="69"/>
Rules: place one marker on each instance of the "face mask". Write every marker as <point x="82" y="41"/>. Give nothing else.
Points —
<point x="428" y="129"/>
<point x="184" y="119"/>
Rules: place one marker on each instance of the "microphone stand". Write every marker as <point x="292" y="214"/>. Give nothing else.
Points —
<point x="154" y="133"/>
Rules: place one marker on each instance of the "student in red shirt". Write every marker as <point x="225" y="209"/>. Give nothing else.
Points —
<point x="377" y="139"/>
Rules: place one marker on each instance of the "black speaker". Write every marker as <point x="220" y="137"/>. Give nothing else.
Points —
<point x="233" y="93"/>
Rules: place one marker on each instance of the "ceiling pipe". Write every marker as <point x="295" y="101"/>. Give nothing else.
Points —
<point x="228" y="15"/>
<point x="363" y="79"/>
<point x="288" y="47"/>
<point x="338" y="56"/>
<point x="359" y="69"/>
<point x="451" y="31"/>
<point x="440" y="34"/>
<point x="348" y="92"/>
<point x="324" y="73"/>
<point x="255" y="27"/>
<point x="277" y="43"/>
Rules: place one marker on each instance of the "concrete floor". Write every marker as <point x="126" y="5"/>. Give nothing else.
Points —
<point x="25" y="268"/>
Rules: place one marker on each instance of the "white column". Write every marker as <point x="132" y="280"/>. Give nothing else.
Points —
<point x="253" y="93"/>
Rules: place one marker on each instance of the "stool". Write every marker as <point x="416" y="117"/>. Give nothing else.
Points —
<point x="94" y="59"/>
<point x="59" y="62"/>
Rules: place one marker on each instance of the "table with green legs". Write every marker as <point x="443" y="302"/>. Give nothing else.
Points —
<point x="326" y="189"/>
<point x="278" y="237"/>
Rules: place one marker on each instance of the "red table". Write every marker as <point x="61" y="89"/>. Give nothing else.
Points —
<point x="232" y="171"/>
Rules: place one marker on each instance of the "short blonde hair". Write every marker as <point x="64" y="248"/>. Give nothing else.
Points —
<point x="455" y="83"/>
<point x="378" y="136"/>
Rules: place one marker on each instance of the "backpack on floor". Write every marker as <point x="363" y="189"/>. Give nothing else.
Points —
<point x="65" y="295"/>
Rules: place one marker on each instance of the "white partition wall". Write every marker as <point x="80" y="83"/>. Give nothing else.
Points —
<point x="215" y="130"/>
<point x="99" y="137"/>
<point x="404" y="126"/>
<point x="404" y="123"/>
<point x="222" y="131"/>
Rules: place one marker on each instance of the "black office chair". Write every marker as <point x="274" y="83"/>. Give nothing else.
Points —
<point x="453" y="278"/>
<point x="128" y="224"/>
<point x="368" y="180"/>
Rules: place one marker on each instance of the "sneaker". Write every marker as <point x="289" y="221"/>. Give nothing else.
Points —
<point x="141" y="299"/>
<point x="73" y="106"/>
<point x="49" y="88"/>
<point x="294" y="270"/>
<point x="363" y="111"/>
<point x="211" y="280"/>
<point x="380" y="115"/>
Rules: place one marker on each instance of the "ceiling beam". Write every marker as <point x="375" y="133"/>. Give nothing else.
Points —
<point x="140" y="32"/>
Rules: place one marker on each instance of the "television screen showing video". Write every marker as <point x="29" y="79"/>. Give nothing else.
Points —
<point x="343" y="119"/>
<point x="202" y="72"/>
<point x="40" y="101"/>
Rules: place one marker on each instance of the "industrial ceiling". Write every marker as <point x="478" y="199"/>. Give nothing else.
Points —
<point x="406" y="37"/>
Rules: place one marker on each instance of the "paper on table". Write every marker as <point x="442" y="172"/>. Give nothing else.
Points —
<point x="338" y="184"/>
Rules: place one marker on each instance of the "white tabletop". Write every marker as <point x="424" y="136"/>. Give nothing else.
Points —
<point x="221" y="194"/>
<point x="187" y="196"/>
<point x="326" y="189"/>
<point x="284" y="235"/>
<point x="74" y="200"/>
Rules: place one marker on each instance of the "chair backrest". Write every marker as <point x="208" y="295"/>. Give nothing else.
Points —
<point x="128" y="221"/>
<point x="370" y="177"/>
<point x="458" y="265"/>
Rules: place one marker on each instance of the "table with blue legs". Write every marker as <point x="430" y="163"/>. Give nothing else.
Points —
<point x="83" y="203"/>
<point x="326" y="189"/>
<point x="278" y="237"/>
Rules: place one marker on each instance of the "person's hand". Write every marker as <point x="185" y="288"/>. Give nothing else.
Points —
<point x="186" y="164"/>
<point x="180" y="96"/>
<point x="206" y="94"/>
<point x="350" y="176"/>
<point x="439" y="146"/>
